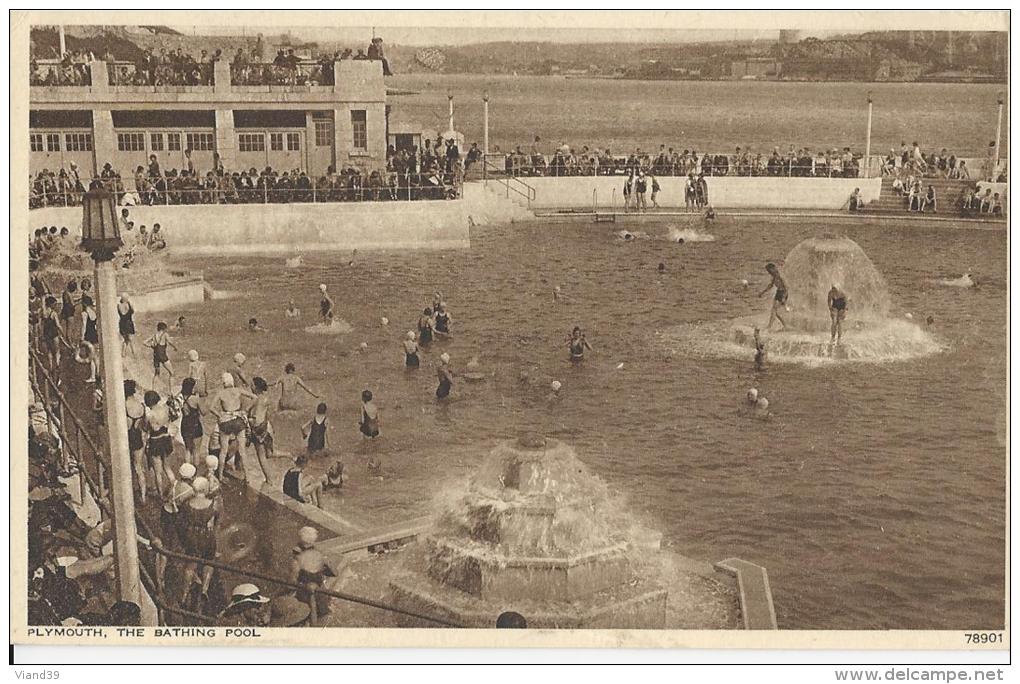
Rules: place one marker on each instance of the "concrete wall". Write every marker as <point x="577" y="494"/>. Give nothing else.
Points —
<point x="291" y="228"/>
<point x="724" y="192"/>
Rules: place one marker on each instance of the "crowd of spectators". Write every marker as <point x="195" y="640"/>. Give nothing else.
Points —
<point x="912" y="161"/>
<point x="70" y="69"/>
<point x="566" y="161"/>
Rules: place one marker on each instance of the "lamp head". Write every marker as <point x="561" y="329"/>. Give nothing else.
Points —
<point x="100" y="225"/>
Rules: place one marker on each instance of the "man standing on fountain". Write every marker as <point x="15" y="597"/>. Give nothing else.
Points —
<point x="838" y="302"/>
<point x="781" y="294"/>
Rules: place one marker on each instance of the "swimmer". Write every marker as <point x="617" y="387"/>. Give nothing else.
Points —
<point x="445" y="377"/>
<point x="253" y="326"/>
<point x="316" y="432"/>
<point x="838" y="303"/>
<point x="752" y="397"/>
<point x="260" y="432"/>
<point x="557" y="293"/>
<point x="425" y="327"/>
<point x="781" y="294"/>
<point x="292" y="311"/>
<point x="238" y="371"/>
<point x="179" y="325"/>
<point x="761" y="409"/>
<point x="411" y="359"/>
<point x="289" y="384"/>
<point x="437" y="299"/>
<point x="662" y="267"/>
<point x="325" y="306"/>
<point x="759" y="350"/>
<point x="577" y="344"/>
<point x="930" y="321"/>
<point x="443" y="320"/>
<point x="159" y="342"/>
<point x="369" y="423"/>
<point x="709" y="214"/>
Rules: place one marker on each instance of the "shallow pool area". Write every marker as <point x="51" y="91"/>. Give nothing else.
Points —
<point x="873" y="495"/>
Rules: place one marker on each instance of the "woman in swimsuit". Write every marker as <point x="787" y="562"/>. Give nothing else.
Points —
<point x="260" y="435"/>
<point x="126" y="324"/>
<point x="52" y="336"/>
<point x="135" y="414"/>
<point x="160" y="359"/>
<point x="296" y="487"/>
<point x="838" y="302"/>
<point x="577" y="344"/>
<point x="198" y="534"/>
<point x="443" y="320"/>
<point x="425" y="325"/>
<point x="411" y="359"/>
<point x="369" y="423"/>
<point x="315" y="432"/>
<point x="445" y="377"/>
<point x="311" y="568"/>
<point x="68" y="303"/>
<point x="191" y="419"/>
<point x="289" y="384"/>
<point x="89" y="319"/>
<point x="160" y="444"/>
<point x="781" y="294"/>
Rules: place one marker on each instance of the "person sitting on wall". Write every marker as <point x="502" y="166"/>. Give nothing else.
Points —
<point x="156" y="240"/>
<point x="854" y="203"/>
<point x="930" y="200"/>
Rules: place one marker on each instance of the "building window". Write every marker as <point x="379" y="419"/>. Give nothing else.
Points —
<point x="53" y="142"/>
<point x="359" y="124"/>
<point x="293" y="142"/>
<point x="251" y="142"/>
<point x="276" y="141"/>
<point x="173" y="142"/>
<point x="201" y="142"/>
<point x="156" y="142"/>
<point x="35" y="142"/>
<point x="323" y="133"/>
<point x="78" y="142"/>
<point x="131" y="142"/>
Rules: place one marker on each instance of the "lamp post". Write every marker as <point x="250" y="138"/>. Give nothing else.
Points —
<point x="998" y="139"/>
<point x="485" y="122"/>
<point x="450" y="95"/>
<point x="867" y="142"/>
<point x="100" y="235"/>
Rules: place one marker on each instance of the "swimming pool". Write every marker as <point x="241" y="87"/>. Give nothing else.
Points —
<point x="874" y="496"/>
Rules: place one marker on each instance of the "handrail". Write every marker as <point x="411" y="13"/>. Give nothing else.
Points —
<point x="509" y="181"/>
<point x="152" y="587"/>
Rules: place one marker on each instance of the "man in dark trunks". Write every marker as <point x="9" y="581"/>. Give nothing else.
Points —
<point x="838" y="303"/>
<point x="781" y="294"/>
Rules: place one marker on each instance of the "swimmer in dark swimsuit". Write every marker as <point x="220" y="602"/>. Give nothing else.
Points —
<point x="781" y="294"/>
<point x="838" y="303"/>
<point x="325" y="306"/>
<point x="759" y="351"/>
<point x="369" y="423"/>
<point x="411" y="359"/>
<point x="577" y="344"/>
<point x="443" y="320"/>
<point x="425" y="325"/>
<point x="160" y="359"/>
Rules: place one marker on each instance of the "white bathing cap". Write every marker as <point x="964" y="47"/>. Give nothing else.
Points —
<point x="239" y="358"/>
<point x="763" y="403"/>
<point x="200" y="484"/>
<point x="410" y="334"/>
<point x="444" y="357"/>
<point x="752" y="394"/>
<point x="187" y="471"/>
<point x="385" y="321"/>
<point x="308" y="535"/>
<point x="228" y="380"/>
<point x="556" y="385"/>
<point x="211" y="462"/>
<point x="192" y="355"/>
<point x="322" y="287"/>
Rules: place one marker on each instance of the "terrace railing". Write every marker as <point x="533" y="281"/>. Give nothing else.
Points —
<point x="512" y="184"/>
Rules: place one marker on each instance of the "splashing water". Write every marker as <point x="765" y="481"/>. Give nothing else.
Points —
<point x="869" y="334"/>
<point x="689" y="235"/>
<point x="337" y="326"/>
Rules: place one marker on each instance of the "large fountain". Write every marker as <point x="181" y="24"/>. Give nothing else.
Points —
<point x="870" y="331"/>
<point x="536" y="541"/>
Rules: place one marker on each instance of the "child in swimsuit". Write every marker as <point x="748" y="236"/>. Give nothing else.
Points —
<point x="781" y="294"/>
<point x="369" y="424"/>
<point x="577" y="344"/>
<point x="411" y="359"/>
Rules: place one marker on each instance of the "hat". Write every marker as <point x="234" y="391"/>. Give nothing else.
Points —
<point x="66" y="561"/>
<point x="239" y="358"/>
<point x="556" y="385"/>
<point x="246" y="593"/>
<point x="228" y="380"/>
<point x="211" y="462"/>
<point x="187" y="471"/>
<point x="444" y="357"/>
<point x="192" y="355"/>
<point x="308" y="536"/>
<point x="288" y="611"/>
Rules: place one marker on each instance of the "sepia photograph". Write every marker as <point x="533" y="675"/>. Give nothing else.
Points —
<point x="618" y="327"/>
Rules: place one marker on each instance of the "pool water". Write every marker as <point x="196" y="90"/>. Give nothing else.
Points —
<point x="874" y="496"/>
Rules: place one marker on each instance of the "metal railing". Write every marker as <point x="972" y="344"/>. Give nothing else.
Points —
<point x="59" y="73"/>
<point x="262" y="74"/>
<point x="511" y="183"/>
<point x="397" y="190"/>
<point x="151" y="578"/>
<point x="140" y="74"/>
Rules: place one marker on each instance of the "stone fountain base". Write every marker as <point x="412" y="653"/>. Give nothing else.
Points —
<point x="890" y="340"/>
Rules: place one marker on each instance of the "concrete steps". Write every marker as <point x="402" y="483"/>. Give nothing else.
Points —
<point x="489" y="202"/>
<point x="948" y="192"/>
